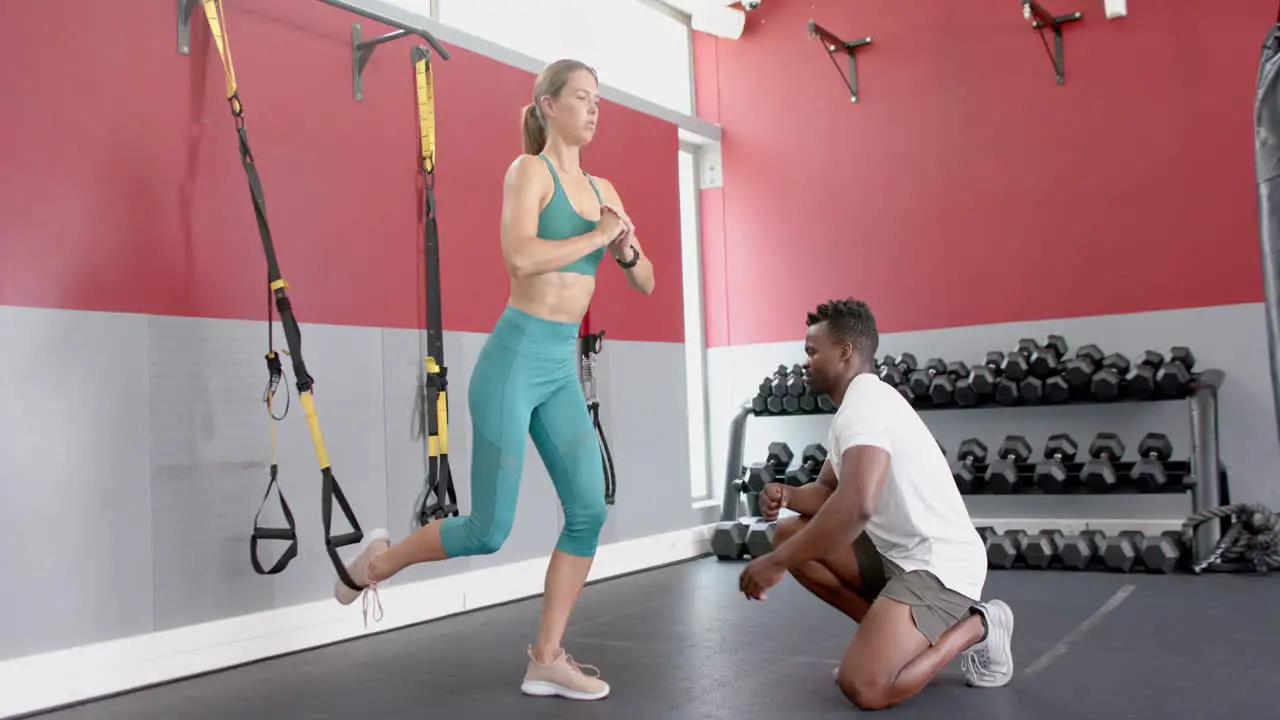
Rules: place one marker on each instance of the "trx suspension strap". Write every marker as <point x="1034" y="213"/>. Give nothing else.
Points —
<point x="276" y="372"/>
<point x="589" y="345"/>
<point x="278" y="288"/>
<point x="438" y="499"/>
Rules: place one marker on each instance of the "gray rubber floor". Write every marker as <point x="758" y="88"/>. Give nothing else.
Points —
<point x="681" y="642"/>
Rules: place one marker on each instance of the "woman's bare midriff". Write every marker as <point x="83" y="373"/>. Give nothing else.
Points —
<point x="558" y="296"/>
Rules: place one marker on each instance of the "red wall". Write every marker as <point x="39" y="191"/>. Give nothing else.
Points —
<point x="966" y="187"/>
<point x="121" y="187"/>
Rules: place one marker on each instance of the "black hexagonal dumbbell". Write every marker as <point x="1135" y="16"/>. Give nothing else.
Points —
<point x="1108" y="382"/>
<point x="971" y="451"/>
<point x="1142" y="384"/>
<point x="729" y="540"/>
<point x="1099" y="474"/>
<point x="981" y="383"/>
<point x="1123" y="551"/>
<point x="812" y="458"/>
<point x="1148" y="473"/>
<point x="942" y="388"/>
<point x="1041" y="549"/>
<point x="1005" y="549"/>
<point x="1057" y="389"/>
<point x="1051" y="473"/>
<point x="1083" y="551"/>
<point x="1002" y="473"/>
<point x="773" y="469"/>
<point x="1163" y="554"/>
<point x="760" y="538"/>
<point x="1047" y="358"/>
<point x="921" y="379"/>
<point x="1174" y="376"/>
<point x="1079" y="370"/>
<point x="890" y="371"/>
<point x="1031" y="390"/>
<point x="1017" y="364"/>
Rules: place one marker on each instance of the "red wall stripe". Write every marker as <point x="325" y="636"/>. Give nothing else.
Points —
<point x="121" y="187"/>
<point x="967" y="187"/>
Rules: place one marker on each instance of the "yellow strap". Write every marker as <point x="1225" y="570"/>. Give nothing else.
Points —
<point x="213" y="11"/>
<point x="442" y="412"/>
<point x="426" y="111"/>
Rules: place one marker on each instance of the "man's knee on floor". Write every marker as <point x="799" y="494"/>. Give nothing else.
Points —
<point x="864" y="693"/>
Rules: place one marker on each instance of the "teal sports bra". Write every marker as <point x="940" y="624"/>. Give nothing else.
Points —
<point x="559" y="221"/>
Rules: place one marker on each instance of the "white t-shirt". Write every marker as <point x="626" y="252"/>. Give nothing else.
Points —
<point x="921" y="521"/>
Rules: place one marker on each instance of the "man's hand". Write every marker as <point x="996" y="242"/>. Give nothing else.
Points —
<point x="760" y="575"/>
<point x="773" y="498"/>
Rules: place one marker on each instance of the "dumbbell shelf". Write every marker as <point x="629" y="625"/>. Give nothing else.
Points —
<point x="1202" y="475"/>
<point x="1177" y="473"/>
<point x="1212" y="377"/>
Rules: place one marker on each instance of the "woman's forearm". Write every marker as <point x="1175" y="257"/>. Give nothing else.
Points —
<point x="534" y="256"/>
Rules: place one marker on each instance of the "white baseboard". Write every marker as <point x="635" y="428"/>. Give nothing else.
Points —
<point x="52" y="679"/>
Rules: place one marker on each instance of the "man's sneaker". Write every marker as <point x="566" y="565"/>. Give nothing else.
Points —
<point x="374" y="542"/>
<point x="564" y="677"/>
<point x="989" y="663"/>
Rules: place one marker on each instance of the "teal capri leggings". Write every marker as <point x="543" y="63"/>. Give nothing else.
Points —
<point x="525" y="383"/>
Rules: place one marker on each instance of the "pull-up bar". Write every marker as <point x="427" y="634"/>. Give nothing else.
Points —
<point x="361" y="50"/>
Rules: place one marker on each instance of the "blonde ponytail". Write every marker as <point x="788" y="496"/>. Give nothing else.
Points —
<point x="535" y="133"/>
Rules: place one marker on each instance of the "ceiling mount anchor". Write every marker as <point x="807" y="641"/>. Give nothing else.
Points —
<point x="1040" y="19"/>
<point x="832" y="45"/>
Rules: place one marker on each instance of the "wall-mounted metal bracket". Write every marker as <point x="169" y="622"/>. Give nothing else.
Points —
<point x="361" y="51"/>
<point x="1040" y="19"/>
<point x="185" y="9"/>
<point x="832" y="44"/>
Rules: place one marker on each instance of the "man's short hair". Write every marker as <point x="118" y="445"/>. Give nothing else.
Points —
<point x="849" y="320"/>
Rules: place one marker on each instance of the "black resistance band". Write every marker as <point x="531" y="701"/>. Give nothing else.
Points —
<point x="438" y="498"/>
<point x="330" y="489"/>
<point x="589" y="345"/>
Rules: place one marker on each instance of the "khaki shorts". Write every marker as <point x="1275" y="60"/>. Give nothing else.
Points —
<point x="934" y="607"/>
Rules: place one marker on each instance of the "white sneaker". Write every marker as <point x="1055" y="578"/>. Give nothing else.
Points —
<point x="989" y="663"/>
<point x="374" y="542"/>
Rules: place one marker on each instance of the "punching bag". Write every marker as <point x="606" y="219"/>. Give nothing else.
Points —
<point x="1266" y="139"/>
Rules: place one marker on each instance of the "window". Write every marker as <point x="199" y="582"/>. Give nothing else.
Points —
<point x="695" y="346"/>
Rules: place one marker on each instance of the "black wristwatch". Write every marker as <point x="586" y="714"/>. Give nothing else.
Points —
<point x="628" y="264"/>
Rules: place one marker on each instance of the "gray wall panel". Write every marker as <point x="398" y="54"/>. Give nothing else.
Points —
<point x="75" y="500"/>
<point x="209" y="468"/>
<point x="643" y="411"/>
<point x="346" y="363"/>
<point x="151" y="462"/>
<point x="1231" y="338"/>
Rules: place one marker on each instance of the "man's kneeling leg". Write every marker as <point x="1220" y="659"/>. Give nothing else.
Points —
<point x="910" y="634"/>
<point x="848" y="579"/>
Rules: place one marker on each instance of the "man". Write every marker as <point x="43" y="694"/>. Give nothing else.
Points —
<point x="883" y="535"/>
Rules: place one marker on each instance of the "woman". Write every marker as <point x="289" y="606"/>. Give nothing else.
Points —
<point x="557" y="223"/>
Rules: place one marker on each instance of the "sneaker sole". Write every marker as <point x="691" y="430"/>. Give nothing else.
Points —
<point x="542" y="688"/>
<point x="341" y="592"/>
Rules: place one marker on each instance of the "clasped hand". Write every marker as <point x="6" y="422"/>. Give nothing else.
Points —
<point x="617" y="227"/>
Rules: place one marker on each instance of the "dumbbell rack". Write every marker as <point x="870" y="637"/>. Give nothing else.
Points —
<point x="1206" y="474"/>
